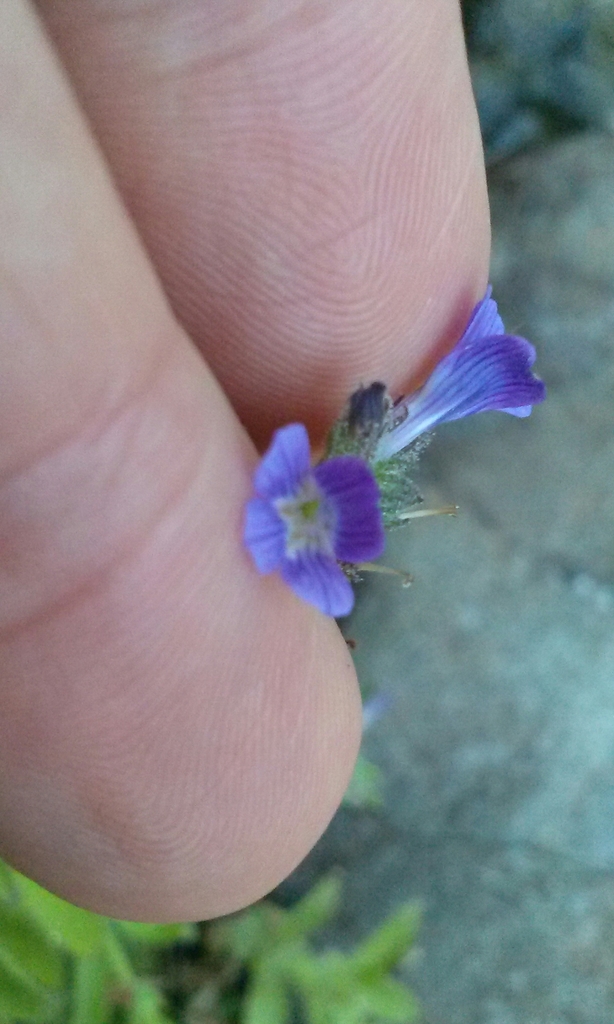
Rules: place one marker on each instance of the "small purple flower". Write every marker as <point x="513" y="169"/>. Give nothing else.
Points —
<point x="487" y="369"/>
<point x="305" y="520"/>
<point x="375" y="708"/>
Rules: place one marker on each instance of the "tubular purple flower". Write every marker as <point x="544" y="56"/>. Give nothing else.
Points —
<point x="487" y="369"/>
<point x="304" y="520"/>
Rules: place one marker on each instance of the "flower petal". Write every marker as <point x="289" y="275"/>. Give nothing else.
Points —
<point x="264" y="535"/>
<point x="284" y="464"/>
<point x="350" y="487"/>
<point x="479" y="374"/>
<point x="521" y="411"/>
<point x="485" y="320"/>
<point x="318" y="580"/>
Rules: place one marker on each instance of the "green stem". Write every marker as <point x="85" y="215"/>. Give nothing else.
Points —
<point x="88" y="1003"/>
<point x="118" y="961"/>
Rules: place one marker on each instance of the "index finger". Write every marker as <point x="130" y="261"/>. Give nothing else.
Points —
<point x="308" y="178"/>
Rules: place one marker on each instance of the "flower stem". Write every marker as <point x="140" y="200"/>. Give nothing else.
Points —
<point x="418" y="513"/>
<point x="406" y="577"/>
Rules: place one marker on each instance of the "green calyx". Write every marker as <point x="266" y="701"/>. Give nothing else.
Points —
<point x="368" y="415"/>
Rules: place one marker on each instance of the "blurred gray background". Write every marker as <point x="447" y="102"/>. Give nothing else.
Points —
<point x="498" y="751"/>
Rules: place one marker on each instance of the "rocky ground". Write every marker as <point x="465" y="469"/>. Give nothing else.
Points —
<point x="498" y="753"/>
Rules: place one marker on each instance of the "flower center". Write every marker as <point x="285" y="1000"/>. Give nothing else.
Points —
<point x="309" y="508"/>
<point x="309" y="520"/>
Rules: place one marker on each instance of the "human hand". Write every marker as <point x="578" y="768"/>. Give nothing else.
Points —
<point x="304" y="208"/>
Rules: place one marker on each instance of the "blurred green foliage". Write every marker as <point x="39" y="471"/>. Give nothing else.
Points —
<point x="286" y="974"/>
<point x="365" y="788"/>
<point x="63" y="965"/>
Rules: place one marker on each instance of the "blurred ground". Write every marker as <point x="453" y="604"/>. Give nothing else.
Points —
<point x="541" y="69"/>
<point x="498" y="753"/>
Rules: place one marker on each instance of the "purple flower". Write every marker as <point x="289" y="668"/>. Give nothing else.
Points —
<point x="487" y="369"/>
<point x="375" y="708"/>
<point x="304" y="520"/>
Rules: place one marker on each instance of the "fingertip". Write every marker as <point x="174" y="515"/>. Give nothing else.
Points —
<point x="309" y="181"/>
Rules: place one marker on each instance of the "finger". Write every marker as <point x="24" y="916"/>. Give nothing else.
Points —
<point x="308" y="178"/>
<point x="176" y="731"/>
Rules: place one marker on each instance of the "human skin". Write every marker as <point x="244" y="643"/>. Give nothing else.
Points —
<point x="215" y="218"/>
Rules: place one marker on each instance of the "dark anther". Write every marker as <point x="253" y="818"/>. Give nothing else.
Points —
<point x="368" y="407"/>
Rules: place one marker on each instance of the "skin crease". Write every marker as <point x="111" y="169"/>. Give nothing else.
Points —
<point x="294" y="191"/>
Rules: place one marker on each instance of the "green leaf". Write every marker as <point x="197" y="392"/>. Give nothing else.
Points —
<point x="243" y="935"/>
<point x="146" y="1006"/>
<point x="30" y="947"/>
<point x="325" y="983"/>
<point x="383" y="950"/>
<point x="6" y="879"/>
<point x="266" y="1001"/>
<point x="331" y="969"/>
<point x="157" y="934"/>
<point x="365" y="786"/>
<point x="352" y="1014"/>
<point x="90" y="1004"/>
<point x="313" y="910"/>
<point x="390" y="1001"/>
<point x="315" y="1006"/>
<point x="78" y="930"/>
<point x="19" y="997"/>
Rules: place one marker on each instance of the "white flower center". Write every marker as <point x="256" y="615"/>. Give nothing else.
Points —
<point x="309" y="519"/>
